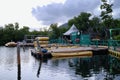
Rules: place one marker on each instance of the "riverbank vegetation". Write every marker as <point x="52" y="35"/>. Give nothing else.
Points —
<point x="12" y="32"/>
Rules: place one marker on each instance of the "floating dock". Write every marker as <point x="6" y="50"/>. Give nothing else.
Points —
<point x="71" y="52"/>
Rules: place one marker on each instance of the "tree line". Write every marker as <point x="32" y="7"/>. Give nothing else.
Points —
<point x="12" y="32"/>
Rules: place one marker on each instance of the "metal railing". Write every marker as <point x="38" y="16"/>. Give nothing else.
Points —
<point x="108" y="43"/>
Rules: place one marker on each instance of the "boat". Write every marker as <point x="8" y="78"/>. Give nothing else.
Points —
<point x="11" y="44"/>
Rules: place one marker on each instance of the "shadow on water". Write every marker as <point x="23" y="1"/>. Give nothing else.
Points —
<point x="41" y="60"/>
<point x="103" y="67"/>
<point x="39" y="68"/>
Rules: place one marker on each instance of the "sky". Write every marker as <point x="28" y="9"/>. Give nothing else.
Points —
<point x="37" y="14"/>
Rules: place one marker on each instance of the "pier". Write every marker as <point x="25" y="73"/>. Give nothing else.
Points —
<point x="61" y="48"/>
<point x="72" y="52"/>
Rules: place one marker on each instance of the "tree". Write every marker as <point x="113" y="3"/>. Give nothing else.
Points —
<point x="106" y="13"/>
<point x="81" y="21"/>
<point x="106" y="16"/>
<point x="1" y="35"/>
<point x="95" y="24"/>
<point x="55" y="31"/>
<point x="16" y="26"/>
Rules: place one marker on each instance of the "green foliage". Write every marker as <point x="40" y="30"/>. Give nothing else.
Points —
<point x="81" y="21"/>
<point x="54" y="30"/>
<point x="16" y="26"/>
<point x="117" y="37"/>
<point x="95" y="23"/>
<point x="62" y="30"/>
<point x="11" y="32"/>
<point x="106" y="16"/>
<point x="98" y="27"/>
<point x="106" y="13"/>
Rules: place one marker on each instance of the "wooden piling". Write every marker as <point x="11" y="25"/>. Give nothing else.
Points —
<point x="18" y="62"/>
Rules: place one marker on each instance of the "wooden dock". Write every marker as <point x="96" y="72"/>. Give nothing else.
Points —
<point x="71" y="52"/>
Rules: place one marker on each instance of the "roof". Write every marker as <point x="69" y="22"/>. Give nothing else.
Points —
<point x="71" y="30"/>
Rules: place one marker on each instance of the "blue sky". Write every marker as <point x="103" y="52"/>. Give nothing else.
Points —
<point x="41" y="13"/>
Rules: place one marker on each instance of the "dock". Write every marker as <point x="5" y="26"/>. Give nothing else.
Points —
<point x="71" y="52"/>
<point x="27" y="45"/>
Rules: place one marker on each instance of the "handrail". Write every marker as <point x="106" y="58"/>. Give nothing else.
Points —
<point x="110" y="30"/>
<point x="109" y="43"/>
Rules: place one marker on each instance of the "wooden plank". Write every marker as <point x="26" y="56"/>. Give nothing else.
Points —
<point x="70" y="50"/>
<point x="68" y="57"/>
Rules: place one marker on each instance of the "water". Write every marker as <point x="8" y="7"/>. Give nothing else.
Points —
<point x="103" y="67"/>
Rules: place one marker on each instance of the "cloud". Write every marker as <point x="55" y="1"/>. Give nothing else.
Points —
<point x="59" y="12"/>
<point x="116" y="9"/>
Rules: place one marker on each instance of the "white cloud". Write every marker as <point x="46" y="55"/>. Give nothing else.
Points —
<point x="12" y="11"/>
<point x="57" y="12"/>
<point x="60" y="13"/>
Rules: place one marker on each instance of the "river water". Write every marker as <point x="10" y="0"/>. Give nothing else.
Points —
<point x="102" y="67"/>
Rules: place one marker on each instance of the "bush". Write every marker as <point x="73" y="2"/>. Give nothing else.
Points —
<point x="117" y="37"/>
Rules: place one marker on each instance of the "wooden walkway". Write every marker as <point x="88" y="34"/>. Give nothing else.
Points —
<point x="70" y="49"/>
<point x="73" y="51"/>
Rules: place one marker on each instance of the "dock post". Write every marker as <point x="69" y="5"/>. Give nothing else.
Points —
<point x="18" y="62"/>
<point x="108" y="44"/>
<point x="23" y="45"/>
<point x="97" y="43"/>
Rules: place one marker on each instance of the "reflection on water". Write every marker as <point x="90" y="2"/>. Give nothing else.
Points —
<point x="103" y="67"/>
<point x="40" y="64"/>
